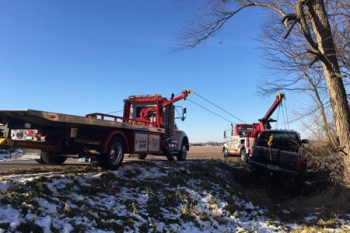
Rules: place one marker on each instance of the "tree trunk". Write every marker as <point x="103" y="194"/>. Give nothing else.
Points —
<point x="335" y="85"/>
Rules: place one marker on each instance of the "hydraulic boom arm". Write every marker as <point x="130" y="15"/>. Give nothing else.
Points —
<point x="146" y="112"/>
<point x="264" y="122"/>
<point x="279" y="98"/>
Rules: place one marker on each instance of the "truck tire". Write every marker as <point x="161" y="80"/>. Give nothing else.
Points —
<point x="225" y="152"/>
<point x="40" y="160"/>
<point x="142" y="156"/>
<point x="243" y="156"/>
<point x="52" y="158"/>
<point x="170" y="157"/>
<point x="114" y="156"/>
<point x="182" y="155"/>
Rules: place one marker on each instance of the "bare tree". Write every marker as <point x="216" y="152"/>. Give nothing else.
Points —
<point x="290" y="61"/>
<point x="292" y="72"/>
<point x="311" y="18"/>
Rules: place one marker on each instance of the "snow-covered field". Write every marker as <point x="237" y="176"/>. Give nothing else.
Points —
<point x="154" y="196"/>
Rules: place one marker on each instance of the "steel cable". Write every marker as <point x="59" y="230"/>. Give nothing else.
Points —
<point x="278" y="116"/>
<point x="115" y="112"/>
<point x="199" y="105"/>
<point x="217" y="106"/>
<point x="287" y="115"/>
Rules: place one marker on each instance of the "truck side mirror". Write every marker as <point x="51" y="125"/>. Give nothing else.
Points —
<point x="304" y="141"/>
<point x="184" y="111"/>
<point x="225" y="136"/>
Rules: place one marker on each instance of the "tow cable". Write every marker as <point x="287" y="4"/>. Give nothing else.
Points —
<point x="216" y="106"/>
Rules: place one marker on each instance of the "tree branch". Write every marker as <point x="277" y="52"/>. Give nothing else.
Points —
<point x="204" y="31"/>
<point x="304" y="26"/>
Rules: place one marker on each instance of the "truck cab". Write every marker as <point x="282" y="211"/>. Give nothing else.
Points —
<point x="158" y="111"/>
<point x="239" y="143"/>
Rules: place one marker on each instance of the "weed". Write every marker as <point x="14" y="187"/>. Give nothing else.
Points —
<point x="133" y="207"/>
<point x="186" y="213"/>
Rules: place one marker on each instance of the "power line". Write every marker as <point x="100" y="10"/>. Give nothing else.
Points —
<point x="209" y="111"/>
<point x="217" y="106"/>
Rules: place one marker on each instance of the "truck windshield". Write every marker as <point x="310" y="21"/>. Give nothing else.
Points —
<point x="288" y="141"/>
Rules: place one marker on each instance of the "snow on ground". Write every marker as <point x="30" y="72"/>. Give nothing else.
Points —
<point x="138" y="197"/>
<point x="5" y="155"/>
<point x="18" y="154"/>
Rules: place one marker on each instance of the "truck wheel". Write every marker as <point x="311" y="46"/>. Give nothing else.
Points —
<point x="244" y="157"/>
<point x="182" y="155"/>
<point x="115" y="155"/>
<point x="52" y="158"/>
<point x="170" y="157"/>
<point x="40" y="160"/>
<point x="142" y="156"/>
<point x="225" y="152"/>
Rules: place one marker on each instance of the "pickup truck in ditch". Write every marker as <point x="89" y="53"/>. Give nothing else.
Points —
<point x="279" y="151"/>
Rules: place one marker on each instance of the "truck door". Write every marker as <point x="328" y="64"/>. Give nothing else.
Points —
<point x="169" y="120"/>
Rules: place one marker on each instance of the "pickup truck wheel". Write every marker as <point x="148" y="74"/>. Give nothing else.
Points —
<point x="115" y="155"/>
<point x="182" y="155"/>
<point x="225" y="152"/>
<point x="51" y="158"/>
<point x="244" y="157"/>
<point x="142" y="156"/>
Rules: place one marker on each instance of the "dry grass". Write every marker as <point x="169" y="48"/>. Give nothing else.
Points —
<point x="322" y="156"/>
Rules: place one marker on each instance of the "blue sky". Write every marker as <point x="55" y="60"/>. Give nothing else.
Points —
<point x="86" y="56"/>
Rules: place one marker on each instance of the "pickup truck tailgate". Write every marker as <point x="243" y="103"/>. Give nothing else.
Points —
<point x="274" y="158"/>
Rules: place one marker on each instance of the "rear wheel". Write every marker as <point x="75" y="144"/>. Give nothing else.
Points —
<point x="182" y="155"/>
<point x="114" y="156"/>
<point x="142" y="156"/>
<point x="51" y="158"/>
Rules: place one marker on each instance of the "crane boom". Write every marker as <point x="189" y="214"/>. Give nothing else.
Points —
<point x="150" y="114"/>
<point x="264" y="123"/>
<point x="279" y="98"/>
<point x="183" y="95"/>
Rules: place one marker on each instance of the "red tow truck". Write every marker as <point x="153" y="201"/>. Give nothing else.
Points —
<point x="244" y="136"/>
<point x="147" y="127"/>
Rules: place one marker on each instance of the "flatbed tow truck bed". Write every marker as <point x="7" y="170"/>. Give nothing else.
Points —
<point x="52" y="119"/>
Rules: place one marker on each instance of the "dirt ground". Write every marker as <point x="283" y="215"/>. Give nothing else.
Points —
<point x="205" y="152"/>
<point x="26" y="164"/>
<point x="195" y="153"/>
